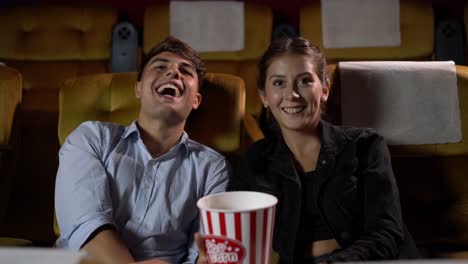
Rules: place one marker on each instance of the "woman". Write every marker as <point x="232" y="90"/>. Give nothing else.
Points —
<point x="338" y="199"/>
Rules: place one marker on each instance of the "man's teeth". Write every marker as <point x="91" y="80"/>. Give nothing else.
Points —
<point x="293" y="110"/>
<point x="174" y="91"/>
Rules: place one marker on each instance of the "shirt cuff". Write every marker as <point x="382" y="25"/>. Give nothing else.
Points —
<point x="81" y="233"/>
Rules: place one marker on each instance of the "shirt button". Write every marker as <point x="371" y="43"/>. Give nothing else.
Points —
<point x="324" y="162"/>
<point x="146" y="186"/>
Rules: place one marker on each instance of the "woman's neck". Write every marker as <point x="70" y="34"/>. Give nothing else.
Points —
<point x="304" y="146"/>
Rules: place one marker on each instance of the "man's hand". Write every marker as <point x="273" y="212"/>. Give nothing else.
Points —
<point x="202" y="255"/>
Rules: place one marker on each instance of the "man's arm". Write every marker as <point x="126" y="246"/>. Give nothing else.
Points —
<point x="106" y="247"/>
<point x="82" y="197"/>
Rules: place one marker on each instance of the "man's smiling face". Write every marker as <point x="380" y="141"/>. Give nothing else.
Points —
<point x="168" y="89"/>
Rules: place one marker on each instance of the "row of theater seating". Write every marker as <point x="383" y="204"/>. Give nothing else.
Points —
<point x="423" y="171"/>
<point x="433" y="191"/>
<point x="48" y="45"/>
<point x="51" y="44"/>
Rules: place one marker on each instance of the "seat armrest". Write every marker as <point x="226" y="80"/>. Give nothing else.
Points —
<point x="252" y="130"/>
<point x="10" y="98"/>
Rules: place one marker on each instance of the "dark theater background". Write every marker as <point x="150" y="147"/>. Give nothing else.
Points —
<point x="284" y="11"/>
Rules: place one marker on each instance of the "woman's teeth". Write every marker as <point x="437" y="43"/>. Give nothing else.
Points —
<point x="293" y="110"/>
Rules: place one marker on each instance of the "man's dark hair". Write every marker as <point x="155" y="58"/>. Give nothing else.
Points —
<point x="180" y="48"/>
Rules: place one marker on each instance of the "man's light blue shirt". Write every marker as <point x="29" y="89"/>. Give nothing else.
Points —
<point x="107" y="176"/>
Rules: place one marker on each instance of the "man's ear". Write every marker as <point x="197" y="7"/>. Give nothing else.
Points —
<point x="138" y="85"/>
<point x="197" y="101"/>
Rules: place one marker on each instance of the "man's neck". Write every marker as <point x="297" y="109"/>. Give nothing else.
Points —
<point x="158" y="136"/>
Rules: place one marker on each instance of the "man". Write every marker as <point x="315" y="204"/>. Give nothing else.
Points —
<point x="126" y="194"/>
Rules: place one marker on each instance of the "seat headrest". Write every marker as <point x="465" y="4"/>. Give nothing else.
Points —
<point x="374" y="23"/>
<point x="222" y="30"/>
<point x="111" y="97"/>
<point x="51" y="33"/>
<point x="258" y="23"/>
<point x="417" y="34"/>
<point x="409" y="103"/>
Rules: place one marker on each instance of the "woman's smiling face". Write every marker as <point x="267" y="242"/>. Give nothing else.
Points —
<point x="294" y="92"/>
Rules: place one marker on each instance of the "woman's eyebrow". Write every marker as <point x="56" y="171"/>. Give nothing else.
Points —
<point x="275" y="76"/>
<point x="304" y="74"/>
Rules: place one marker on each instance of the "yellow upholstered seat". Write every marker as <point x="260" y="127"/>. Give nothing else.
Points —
<point x="258" y="21"/>
<point x="465" y="23"/>
<point x="432" y="182"/>
<point x="434" y="187"/>
<point x="10" y="99"/>
<point x="450" y="149"/>
<point x="416" y="27"/>
<point x="47" y="44"/>
<point x="218" y="122"/>
<point x="14" y="242"/>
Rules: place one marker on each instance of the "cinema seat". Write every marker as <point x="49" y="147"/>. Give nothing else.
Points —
<point x="258" y="23"/>
<point x="416" y="27"/>
<point x="431" y="178"/>
<point x="217" y="123"/>
<point x="10" y="99"/>
<point x="47" y="44"/>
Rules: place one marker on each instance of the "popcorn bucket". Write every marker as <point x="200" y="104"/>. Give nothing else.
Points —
<point x="238" y="226"/>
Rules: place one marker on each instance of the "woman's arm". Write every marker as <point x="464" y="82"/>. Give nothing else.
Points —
<point x="383" y="225"/>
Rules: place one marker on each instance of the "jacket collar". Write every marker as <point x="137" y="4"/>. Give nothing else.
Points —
<point x="332" y="139"/>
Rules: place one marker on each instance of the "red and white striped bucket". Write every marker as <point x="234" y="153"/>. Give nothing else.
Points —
<point x="238" y="226"/>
